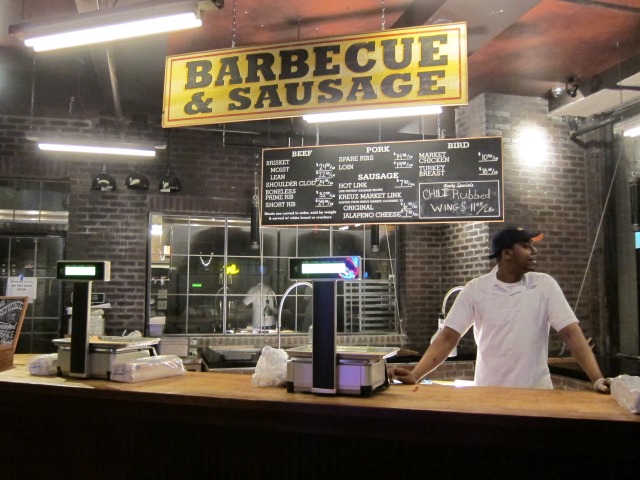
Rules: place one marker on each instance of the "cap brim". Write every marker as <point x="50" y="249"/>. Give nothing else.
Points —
<point x="538" y="237"/>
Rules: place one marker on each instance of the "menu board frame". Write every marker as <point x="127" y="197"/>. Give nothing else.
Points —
<point x="424" y="181"/>
<point x="12" y="313"/>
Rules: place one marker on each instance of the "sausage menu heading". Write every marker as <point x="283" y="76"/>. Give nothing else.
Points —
<point x="428" y="181"/>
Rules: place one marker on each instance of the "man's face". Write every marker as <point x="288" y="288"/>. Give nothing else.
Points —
<point x="523" y="255"/>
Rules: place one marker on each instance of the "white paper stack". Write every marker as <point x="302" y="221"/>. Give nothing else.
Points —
<point x="44" y="364"/>
<point x="147" y="368"/>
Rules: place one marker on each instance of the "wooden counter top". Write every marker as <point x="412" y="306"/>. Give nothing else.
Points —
<point x="215" y="409"/>
<point x="211" y="388"/>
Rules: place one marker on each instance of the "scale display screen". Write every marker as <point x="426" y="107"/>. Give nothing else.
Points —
<point x="84" y="270"/>
<point x="325" y="268"/>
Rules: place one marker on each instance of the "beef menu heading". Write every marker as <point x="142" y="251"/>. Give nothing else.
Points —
<point x="444" y="180"/>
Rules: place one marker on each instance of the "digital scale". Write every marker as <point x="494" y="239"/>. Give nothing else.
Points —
<point x="359" y="370"/>
<point x="104" y="351"/>
<point x="323" y="367"/>
<point x="84" y="356"/>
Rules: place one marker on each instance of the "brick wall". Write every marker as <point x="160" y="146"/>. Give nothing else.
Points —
<point x="558" y="191"/>
<point x="550" y="183"/>
<point x="114" y="225"/>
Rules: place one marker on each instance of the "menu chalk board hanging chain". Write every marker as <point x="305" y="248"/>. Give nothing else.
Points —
<point x="233" y="24"/>
<point x="439" y="131"/>
<point x="233" y="45"/>
<point x="382" y="20"/>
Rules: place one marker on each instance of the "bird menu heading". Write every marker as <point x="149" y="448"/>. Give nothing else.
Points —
<point x="427" y="181"/>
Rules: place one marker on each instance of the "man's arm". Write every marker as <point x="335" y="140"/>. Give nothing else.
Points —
<point x="437" y="353"/>
<point x="574" y="338"/>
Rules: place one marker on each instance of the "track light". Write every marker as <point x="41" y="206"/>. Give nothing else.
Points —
<point x="572" y="90"/>
<point x="103" y="181"/>
<point x="372" y="114"/>
<point x="571" y="87"/>
<point x="557" y="92"/>
<point x="129" y="21"/>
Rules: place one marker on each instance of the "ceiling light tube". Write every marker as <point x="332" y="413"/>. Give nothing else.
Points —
<point x="106" y="25"/>
<point x="632" y="132"/>
<point x="98" y="147"/>
<point x="628" y="128"/>
<point x="372" y="114"/>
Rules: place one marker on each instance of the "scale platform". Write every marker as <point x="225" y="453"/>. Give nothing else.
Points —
<point x="360" y="370"/>
<point x="104" y="351"/>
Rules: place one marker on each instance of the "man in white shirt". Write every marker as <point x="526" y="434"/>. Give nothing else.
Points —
<point x="511" y="310"/>
<point x="264" y="302"/>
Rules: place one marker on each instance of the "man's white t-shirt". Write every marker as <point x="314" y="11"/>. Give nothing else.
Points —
<point x="511" y="324"/>
<point x="259" y="296"/>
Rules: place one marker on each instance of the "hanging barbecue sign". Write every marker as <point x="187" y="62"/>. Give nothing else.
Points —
<point x="389" y="68"/>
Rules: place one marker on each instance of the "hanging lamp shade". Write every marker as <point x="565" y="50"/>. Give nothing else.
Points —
<point x="137" y="181"/>
<point x="170" y="183"/>
<point x="103" y="181"/>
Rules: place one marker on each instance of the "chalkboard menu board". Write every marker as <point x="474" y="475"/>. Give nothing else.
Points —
<point x="12" y="312"/>
<point x="427" y="181"/>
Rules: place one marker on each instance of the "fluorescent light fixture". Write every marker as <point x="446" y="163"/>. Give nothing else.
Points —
<point x="371" y="114"/>
<point x="629" y="128"/>
<point x="632" y="132"/>
<point x="100" y="147"/>
<point x="99" y="26"/>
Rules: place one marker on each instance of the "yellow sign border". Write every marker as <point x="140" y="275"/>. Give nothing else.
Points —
<point x="175" y="95"/>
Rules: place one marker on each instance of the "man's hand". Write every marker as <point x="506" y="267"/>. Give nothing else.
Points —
<point x="401" y="374"/>
<point x="602" y="385"/>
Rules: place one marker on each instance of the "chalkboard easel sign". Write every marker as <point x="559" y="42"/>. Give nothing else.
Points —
<point x="12" y="313"/>
<point x="425" y="181"/>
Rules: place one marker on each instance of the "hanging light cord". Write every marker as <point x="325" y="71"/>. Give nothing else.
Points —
<point x="33" y="94"/>
<point x="595" y="239"/>
<point x="604" y="209"/>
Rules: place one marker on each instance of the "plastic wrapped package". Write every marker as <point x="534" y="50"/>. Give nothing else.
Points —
<point x="44" y="364"/>
<point x="626" y="390"/>
<point x="147" y="368"/>
<point x="271" y="370"/>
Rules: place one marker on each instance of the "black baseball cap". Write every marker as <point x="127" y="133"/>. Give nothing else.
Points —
<point x="509" y="236"/>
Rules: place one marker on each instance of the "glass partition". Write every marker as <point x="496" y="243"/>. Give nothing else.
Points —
<point x="206" y="279"/>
